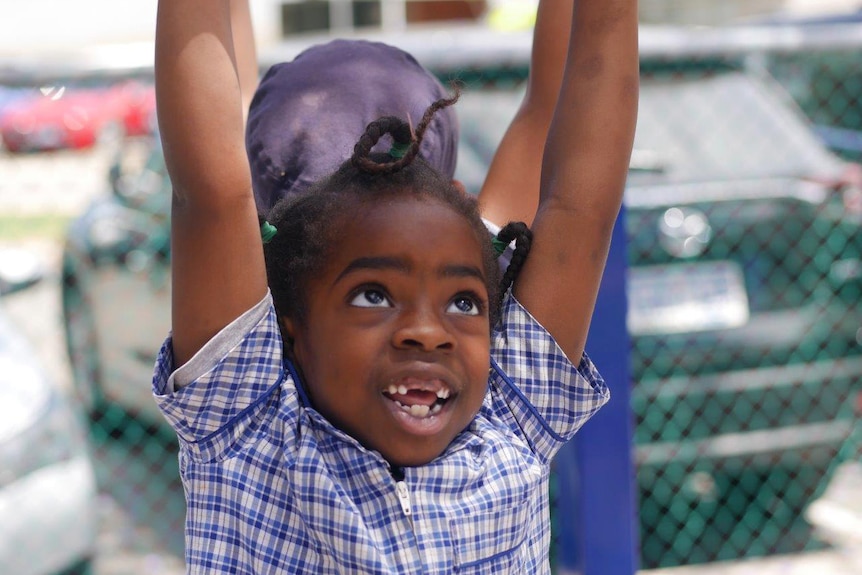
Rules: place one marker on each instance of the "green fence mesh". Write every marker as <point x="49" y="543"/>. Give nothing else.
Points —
<point x="743" y="215"/>
<point x="744" y="291"/>
<point x="826" y="85"/>
<point x="743" y="223"/>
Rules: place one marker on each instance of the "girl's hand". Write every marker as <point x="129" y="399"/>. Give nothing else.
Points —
<point x="511" y="188"/>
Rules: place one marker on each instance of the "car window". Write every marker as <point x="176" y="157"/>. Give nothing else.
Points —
<point x="722" y="126"/>
<point x="825" y="84"/>
<point x="711" y="127"/>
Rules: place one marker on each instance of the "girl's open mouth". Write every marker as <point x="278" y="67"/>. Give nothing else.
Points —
<point x="419" y="408"/>
<point x="419" y="403"/>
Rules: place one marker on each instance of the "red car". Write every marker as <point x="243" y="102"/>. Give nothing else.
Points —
<point x="73" y="117"/>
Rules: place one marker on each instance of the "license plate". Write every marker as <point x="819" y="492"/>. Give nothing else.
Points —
<point x="680" y="298"/>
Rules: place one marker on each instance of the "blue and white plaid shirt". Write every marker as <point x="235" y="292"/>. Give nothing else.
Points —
<point x="272" y="487"/>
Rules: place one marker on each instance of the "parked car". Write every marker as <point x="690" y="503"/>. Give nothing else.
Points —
<point x="818" y="63"/>
<point x="75" y="115"/>
<point x="744" y="243"/>
<point x="10" y="94"/>
<point x="47" y="484"/>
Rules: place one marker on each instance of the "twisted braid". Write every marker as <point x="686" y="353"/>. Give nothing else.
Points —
<point x="523" y="237"/>
<point x="402" y="136"/>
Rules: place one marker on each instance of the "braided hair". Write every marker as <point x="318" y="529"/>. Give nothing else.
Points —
<point x="522" y="235"/>
<point x="405" y="143"/>
<point x="307" y="223"/>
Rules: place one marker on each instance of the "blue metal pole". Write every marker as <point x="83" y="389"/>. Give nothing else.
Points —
<point x="596" y="511"/>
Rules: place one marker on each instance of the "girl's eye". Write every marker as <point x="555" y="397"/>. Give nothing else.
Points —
<point x="464" y="305"/>
<point x="370" y="298"/>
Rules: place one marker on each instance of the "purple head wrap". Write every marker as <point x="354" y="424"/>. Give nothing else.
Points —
<point x="307" y="114"/>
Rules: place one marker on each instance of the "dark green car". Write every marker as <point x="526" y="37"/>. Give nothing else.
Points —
<point x="825" y="78"/>
<point x="744" y="282"/>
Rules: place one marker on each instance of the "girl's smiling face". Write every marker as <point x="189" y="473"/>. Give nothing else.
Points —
<point x="394" y="347"/>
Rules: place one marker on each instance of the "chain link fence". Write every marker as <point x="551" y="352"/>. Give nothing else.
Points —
<point x="826" y="84"/>
<point x="744" y="288"/>
<point x="743" y="215"/>
<point x="744" y="292"/>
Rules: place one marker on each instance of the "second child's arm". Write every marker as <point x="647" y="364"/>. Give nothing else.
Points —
<point x="245" y="50"/>
<point x="218" y="269"/>
<point x="584" y="170"/>
<point x="511" y="189"/>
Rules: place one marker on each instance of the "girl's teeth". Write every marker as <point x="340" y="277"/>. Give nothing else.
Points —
<point x="402" y="390"/>
<point x="419" y="410"/>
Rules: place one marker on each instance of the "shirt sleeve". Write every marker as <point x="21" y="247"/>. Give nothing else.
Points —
<point x="535" y="388"/>
<point x="213" y="398"/>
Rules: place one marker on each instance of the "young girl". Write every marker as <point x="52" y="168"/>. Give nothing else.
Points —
<point x="382" y="404"/>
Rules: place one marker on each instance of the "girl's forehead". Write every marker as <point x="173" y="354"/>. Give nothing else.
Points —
<point x="370" y="212"/>
<point x="428" y="227"/>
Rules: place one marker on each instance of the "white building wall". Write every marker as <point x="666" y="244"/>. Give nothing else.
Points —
<point x="717" y="12"/>
<point x="705" y="12"/>
<point x="28" y="26"/>
<point x="822" y="6"/>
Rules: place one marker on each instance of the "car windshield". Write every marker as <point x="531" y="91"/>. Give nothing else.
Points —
<point x="705" y="128"/>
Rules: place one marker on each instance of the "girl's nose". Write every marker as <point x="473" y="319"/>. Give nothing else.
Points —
<point x="422" y="328"/>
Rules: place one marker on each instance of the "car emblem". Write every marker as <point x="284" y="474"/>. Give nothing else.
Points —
<point x="684" y="232"/>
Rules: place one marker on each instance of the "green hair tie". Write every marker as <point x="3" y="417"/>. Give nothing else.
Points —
<point x="398" y="149"/>
<point x="267" y="232"/>
<point x="499" y="246"/>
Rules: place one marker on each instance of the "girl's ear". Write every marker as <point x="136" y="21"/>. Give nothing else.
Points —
<point x="459" y="185"/>
<point x="288" y="328"/>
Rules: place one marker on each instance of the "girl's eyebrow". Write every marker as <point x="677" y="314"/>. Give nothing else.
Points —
<point x="401" y="265"/>
<point x="461" y="271"/>
<point x="374" y="263"/>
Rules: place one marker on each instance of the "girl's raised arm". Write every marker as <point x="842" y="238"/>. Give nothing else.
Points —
<point x="584" y="170"/>
<point x="218" y="269"/>
<point x="511" y="188"/>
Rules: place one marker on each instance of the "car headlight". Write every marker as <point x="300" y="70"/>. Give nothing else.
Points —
<point x="37" y="425"/>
